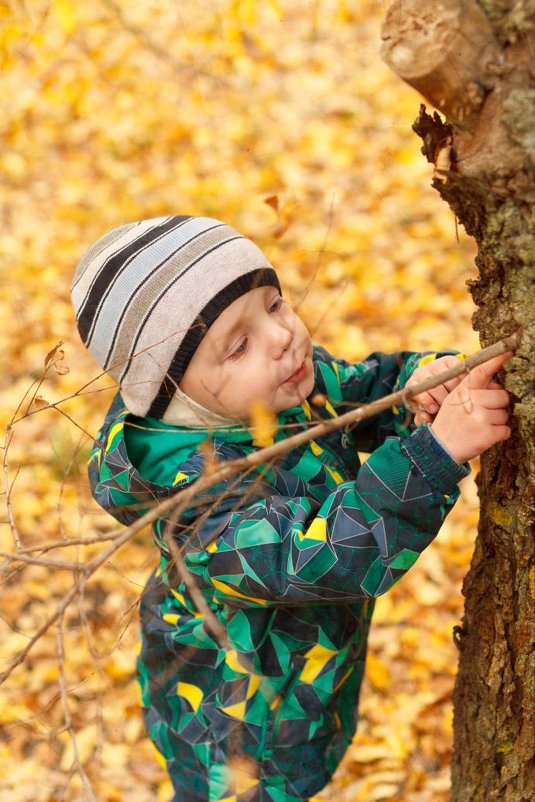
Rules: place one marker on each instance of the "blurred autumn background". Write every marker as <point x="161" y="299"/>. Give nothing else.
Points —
<point x="279" y="117"/>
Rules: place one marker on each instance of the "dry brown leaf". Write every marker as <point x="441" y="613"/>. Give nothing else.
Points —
<point x="39" y="402"/>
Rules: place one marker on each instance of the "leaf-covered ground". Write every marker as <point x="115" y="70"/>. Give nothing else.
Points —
<point x="279" y="117"/>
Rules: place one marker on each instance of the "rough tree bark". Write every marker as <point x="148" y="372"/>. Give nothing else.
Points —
<point x="475" y="62"/>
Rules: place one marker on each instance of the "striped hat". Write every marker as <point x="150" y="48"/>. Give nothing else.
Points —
<point x="146" y="293"/>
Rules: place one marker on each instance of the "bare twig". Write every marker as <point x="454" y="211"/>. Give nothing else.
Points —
<point x="66" y="711"/>
<point x="56" y="408"/>
<point x="8" y="488"/>
<point x="66" y="472"/>
<point x="401" y="397"/>
<point x="182" y="499"/>
<point x="64" y="544"/>
<point x="63" y="565"/>
<point x="196" y="596"/>
<point x="97" y="662"/>
<point x="45" y="626"/>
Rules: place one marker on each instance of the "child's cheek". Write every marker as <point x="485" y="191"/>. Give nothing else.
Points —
<point x="309" y="384"/>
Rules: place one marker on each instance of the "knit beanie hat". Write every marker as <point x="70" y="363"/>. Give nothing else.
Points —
<point x="146" y="293"/>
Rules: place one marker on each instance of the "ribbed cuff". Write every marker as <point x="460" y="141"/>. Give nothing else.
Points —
<point x="432" y="460"/>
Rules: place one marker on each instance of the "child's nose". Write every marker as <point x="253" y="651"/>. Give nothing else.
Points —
<point x="280" y="337"/>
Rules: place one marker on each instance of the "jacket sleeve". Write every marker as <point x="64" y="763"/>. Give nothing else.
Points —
<point x="348" y="385"/>
<point x="290" y="549"/>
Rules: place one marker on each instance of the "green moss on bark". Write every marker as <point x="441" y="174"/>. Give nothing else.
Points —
<point x="519" y="118"/>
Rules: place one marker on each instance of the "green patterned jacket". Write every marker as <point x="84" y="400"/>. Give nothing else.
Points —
<point x="289" y="559"/>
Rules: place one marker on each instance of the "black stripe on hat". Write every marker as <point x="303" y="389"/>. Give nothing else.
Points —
<point x="261" y="277"/>
<point x="166" y="289"/>
<point x="147" y="278"/>
<point x="112" y="267"/>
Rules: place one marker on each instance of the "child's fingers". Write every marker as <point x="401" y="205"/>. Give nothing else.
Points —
<point x="439" y="394"/>
<point x="424" y="402"/>
<point x="422" y="417"/>
<point x="480" y="376"/>
<point x="445" y="364"/>
<point x="497" y="417"/>
<point x="495" y="398"/>
<point x="453" y="383"/>
<point x="502" y="433"/>
<point x="431" y="400"/>
<point x="427" y="404"/>
<point x="441" y="366"/>
<point x="469" y="398"/>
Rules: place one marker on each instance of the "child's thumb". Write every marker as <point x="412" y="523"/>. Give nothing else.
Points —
<point x="481" y="375"/>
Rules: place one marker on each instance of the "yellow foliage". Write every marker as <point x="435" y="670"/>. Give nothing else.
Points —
<point x="377" y="672"/>
<point x="66" y="14"/>
<point x="86" y="741"/>
<point x="278" y="117"/>
<point x="119" y="666"/>
<point x="263" y="424"/>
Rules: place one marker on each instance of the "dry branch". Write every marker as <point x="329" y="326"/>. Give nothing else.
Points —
<point x="64" y="693"/>
<point x="446" y="51"/>
<point x="183" y="498"/>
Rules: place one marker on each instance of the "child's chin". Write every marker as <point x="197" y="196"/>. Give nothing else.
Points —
<point x="308" y="384"/>
<point x="303" y="390"/>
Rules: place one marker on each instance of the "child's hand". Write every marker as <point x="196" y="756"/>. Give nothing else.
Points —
<point x="427" y="404"/>
<point x="474" y="416"/>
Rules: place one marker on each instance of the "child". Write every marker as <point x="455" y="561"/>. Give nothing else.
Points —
<point x="187" y="316"/>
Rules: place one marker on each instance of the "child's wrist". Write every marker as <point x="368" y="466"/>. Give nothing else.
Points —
<point x="433" y="460"/>
<point x="444" y="447"/>
<point x="454" y="450"/>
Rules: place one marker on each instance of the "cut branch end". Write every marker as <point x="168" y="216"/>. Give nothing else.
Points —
<point x="444" y="50"/>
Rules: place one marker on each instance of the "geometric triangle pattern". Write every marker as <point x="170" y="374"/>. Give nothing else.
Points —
<point x="289" y="558"/>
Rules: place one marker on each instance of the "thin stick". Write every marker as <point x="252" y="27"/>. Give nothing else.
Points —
<point x="97" y="662"/>
<point x="183" y="498"/>
<point x="66" y="711"/>
<point x="45" y="626"/>
<point x="196" y="596"/>
<point x="64" y="565"/>
<point x="228" y="469"/>
<point x="63" y="544"/>
<point x="8" y="488"/>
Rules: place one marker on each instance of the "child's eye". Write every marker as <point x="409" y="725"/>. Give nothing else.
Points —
<point x="276" y="305"/>
<point x="239" y="350"/>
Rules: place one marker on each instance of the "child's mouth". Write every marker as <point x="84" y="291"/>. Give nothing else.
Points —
<point x="298" y="376"/>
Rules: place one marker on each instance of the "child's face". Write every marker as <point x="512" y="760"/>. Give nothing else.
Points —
<point x="257" y="350"/>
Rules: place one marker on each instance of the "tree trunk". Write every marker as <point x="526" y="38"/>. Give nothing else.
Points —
<point x="475" y="63"/>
